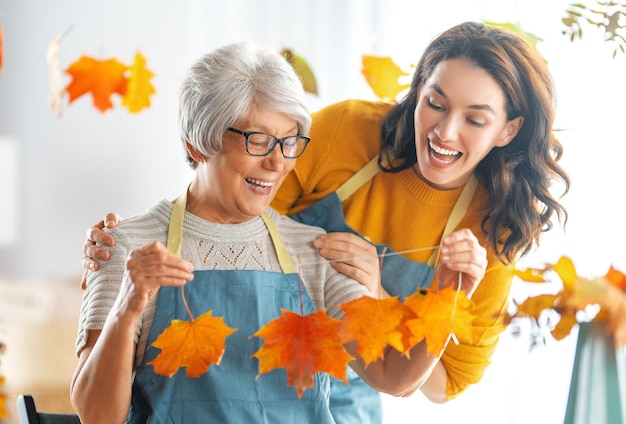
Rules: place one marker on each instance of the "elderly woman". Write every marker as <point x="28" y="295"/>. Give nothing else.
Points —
<point x="242" y="119"/>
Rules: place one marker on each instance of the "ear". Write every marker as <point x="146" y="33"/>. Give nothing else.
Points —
<point x="510" y="131"/>
<point x="194" y="153"/>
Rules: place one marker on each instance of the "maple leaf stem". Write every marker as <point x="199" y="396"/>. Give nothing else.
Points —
<point x="380" y="265"/>
<point x="300" y="287"/>
<point x="182" y="295"/>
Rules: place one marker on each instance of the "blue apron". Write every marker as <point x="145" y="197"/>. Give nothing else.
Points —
<point x="233" y="391"/>
<point x="358" y="403"/>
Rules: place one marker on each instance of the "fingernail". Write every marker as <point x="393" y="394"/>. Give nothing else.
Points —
<point x="91" y="265"/>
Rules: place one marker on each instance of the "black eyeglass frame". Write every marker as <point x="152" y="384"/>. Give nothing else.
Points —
<point x="276" y="141"/>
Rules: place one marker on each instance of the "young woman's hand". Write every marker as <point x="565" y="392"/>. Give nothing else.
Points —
<point x="461" y="253"/>
<point x="353" y="257"/>
<point x="92" y="253"/>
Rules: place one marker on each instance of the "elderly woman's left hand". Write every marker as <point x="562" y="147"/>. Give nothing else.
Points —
<point x="461" y="253"/>
<point x="353" y="257"/>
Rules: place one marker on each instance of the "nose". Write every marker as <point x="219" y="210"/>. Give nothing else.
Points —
<point x="275" y="160"/>
<point x="447" y="129"/>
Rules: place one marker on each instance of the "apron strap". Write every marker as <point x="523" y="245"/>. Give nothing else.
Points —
<point x="361" y="177"/>
<point x="175" y="231"/>
<point x="286" y="263"/>
<point x="458" y="212"/>
<point x="175" y="235"/>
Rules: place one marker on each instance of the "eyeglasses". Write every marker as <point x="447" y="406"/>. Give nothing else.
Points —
<point x="262" y="144"/>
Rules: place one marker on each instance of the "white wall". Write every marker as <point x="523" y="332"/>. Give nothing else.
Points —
<point x="74" y="169"/>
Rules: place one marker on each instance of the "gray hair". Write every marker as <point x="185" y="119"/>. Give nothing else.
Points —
<point x="221" y="88"/>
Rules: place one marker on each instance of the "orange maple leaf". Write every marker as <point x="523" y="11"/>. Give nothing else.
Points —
<point x="140" y="89"/>
<point x="616" y="278"/>
<point x="383" y="76"/>
<point x="389" y="316"/>
<point x="193" y="344"/>
<point x="101" y="78"/>
<point x="303" y="345"/>
<point x="4" y="412"/>
<point x="440" y="314"/>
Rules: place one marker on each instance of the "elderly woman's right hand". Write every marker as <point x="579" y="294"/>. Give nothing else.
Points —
<point x="149" y="268"/>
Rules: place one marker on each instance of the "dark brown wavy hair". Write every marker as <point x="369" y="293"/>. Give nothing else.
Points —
<point x="518" y="177"/>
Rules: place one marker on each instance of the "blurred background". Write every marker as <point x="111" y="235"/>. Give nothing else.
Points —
<point x="61" y="174"/>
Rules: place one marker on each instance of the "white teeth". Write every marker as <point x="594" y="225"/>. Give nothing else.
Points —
<point x="260" y="183"/>
<point x="442" y="151"/>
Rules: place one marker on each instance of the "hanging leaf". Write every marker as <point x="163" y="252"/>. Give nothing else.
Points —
<point x="55" y="77"/>
<point x="100" y="78"/>
<point x="389" y="316"/>
<point x="195" y="345"/>
<point x="140" y="88"/>
<point x="383" y="76"/>
<point x="303" y="345"/>
<point x="303" y="70"/>
<point x="439" y="314"/>
<point x="529" y="37"/>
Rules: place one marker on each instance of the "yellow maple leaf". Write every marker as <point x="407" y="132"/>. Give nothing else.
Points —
<point x="383" y="76"/>
<point x="440" y="314"/>
<point x="195" y="345"/>
<point x="140" y="88"/>
<point x="567" y="272"/>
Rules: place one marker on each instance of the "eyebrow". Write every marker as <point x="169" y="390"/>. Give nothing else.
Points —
<point x="485" y="107"/>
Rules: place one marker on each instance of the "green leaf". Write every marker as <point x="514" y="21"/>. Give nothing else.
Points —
<point x="303" y="70"/>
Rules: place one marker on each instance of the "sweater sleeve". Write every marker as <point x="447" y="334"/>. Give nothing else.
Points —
<point x="466" y="362"/>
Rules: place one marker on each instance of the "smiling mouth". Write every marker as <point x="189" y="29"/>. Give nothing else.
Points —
<point x="260" y="185"/>
<point x="443" y="155"/>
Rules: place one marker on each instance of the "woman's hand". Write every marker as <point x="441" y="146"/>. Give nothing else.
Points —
<point x="149" y="268"/>
<point x="93" y="253"/>
<point x="461" y="252"/>
<point x="353" y="257"/>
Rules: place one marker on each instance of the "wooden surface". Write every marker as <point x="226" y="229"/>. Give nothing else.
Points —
<point x="38" y="321"/>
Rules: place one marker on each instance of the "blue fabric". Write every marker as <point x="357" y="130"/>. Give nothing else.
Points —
<point x="401" y="276"/>
<point x="233" y="391"/>
<point x="357" y="402"/>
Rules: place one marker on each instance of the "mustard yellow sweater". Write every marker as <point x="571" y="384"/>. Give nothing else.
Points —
<point x="399" y="210"/>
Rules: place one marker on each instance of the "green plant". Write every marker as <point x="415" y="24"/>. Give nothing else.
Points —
<point x="608" y="16"/>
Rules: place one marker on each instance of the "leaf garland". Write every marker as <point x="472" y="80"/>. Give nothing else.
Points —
<point x="307" y="344"/>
